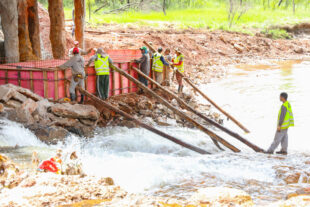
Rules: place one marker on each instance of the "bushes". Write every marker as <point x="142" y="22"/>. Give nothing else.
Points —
<point x="277" y="34"/>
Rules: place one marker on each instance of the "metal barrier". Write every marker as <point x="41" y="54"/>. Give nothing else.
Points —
<point x="45" y="79"/>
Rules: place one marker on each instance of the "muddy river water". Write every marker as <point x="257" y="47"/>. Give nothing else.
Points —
<point x="142" y="162"/>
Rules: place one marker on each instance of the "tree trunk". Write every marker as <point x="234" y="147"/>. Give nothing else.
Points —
<point x="164" y="7"/>
<point x="25" y="48"/>
<point x="34" y="28"/>
<point x="79" y="19"/>
<point x="57" y="29"/>
<point x="9" y="22"/>
<point x="293" y="6"/>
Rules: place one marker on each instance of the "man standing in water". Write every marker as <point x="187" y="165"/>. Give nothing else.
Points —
<point x="285" y="120"/>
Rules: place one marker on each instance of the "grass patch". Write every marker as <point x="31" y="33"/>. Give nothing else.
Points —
<point x="277" y="34"/>
<point x="213" y="17"/>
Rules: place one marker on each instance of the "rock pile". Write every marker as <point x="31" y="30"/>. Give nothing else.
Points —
<point x="50" y="122"/>
<point x="146" y="108"/>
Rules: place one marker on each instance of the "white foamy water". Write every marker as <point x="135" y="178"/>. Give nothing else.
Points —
<point x="140" y="161"/>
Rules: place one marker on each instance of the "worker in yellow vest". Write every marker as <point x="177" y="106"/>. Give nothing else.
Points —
<point x="285" y="121"/>
<point x="158" y="65"/>
<point x="102" y="66"/>
<point x="178" y="64"/>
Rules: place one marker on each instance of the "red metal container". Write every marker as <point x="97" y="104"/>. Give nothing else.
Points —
<point x="46" y="80"/>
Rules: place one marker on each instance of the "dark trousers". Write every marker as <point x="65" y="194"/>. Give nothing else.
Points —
<point x="103" y="82"/>
<point x="143" y="80"/>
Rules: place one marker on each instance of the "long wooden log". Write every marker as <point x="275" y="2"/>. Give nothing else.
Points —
<point x="189" y="108"/>
<point x="175" y="110"/>
<point x="152" y="129"/>
<point x="206" y="97"/>
<point x="215" y="105"/>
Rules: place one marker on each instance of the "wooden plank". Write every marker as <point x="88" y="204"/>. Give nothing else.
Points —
<point x="210" y="121"/>
<point x="215" y="105"/>
<point x="19" y="78"/>
<point x="6" y="76"/>
<point x="113" y="82"/>
<point x="45" y="84"/>
<point x="129" y="82"/>
<point x="121" y="82"/>
<point x="212" y="135"/>
<point x="206" y="97"/>
<point x="56" y="85"/>
<point x="65" y="85"/>
<point x="31" y="81"/>
<point x="152" y="129"/>
<point x="86" y="81"/>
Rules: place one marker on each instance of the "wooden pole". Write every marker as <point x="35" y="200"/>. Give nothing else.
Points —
<point x="189" y="108"/>
<point x="175" y="110"/>
<point x="156" y="131"/>
<point x="206" y="97"/>
<point x="215" y="105"/>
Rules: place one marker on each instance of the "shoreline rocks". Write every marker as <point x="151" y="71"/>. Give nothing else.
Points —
<point x="48" y="121"/>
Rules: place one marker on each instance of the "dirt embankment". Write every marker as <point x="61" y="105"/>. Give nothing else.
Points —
<point x="204" y="50"/>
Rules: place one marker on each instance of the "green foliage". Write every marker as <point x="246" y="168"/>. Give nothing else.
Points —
<point x="211" y="14"/>
<point x="277" y="34"/>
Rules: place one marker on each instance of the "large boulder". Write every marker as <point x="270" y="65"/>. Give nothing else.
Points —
<point x="49" y="134"/>
<point x="76" y="111"/>
<point x="82" y="130"/>
<point x="40" y="114"/>
<point x="222" y="196"/>
<point x="26" y="92"/>
<point x="6" y="93"/>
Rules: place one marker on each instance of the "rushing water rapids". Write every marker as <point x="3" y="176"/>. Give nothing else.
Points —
<point x="140" y="161"/>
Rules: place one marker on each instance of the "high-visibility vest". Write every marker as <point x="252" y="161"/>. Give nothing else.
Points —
<point x="289" y="118"/>
<point x="180" y="67"/>
<point x="158" y="65"/>
<point x="102" y="65"/>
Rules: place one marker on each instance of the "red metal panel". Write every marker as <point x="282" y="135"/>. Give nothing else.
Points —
<point x="25" y="79"/>
<point x="38" y="84"/>
<point x="2" y="77"/>
<point x="19" y="73"/>
<point x="61" y="84"/>
<point x="51" y="84"/>
<point x="91" y="80"/>
<point x="13" y="77"/>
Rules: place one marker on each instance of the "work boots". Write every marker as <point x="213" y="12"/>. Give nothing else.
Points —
<point x="72" y="97"/>
<point x="82" y="100"/>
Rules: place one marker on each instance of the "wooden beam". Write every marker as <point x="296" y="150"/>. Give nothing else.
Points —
<point x="210" y="121"/>
<point x="56" y="94"/>
<point x="152" y="129"/>
<point x="45" y="85"/>
<point x="206" y="97"/>
<point x="176" y="111"/>
<point x="215" y="105"/>
<point x="31" y="81"/>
